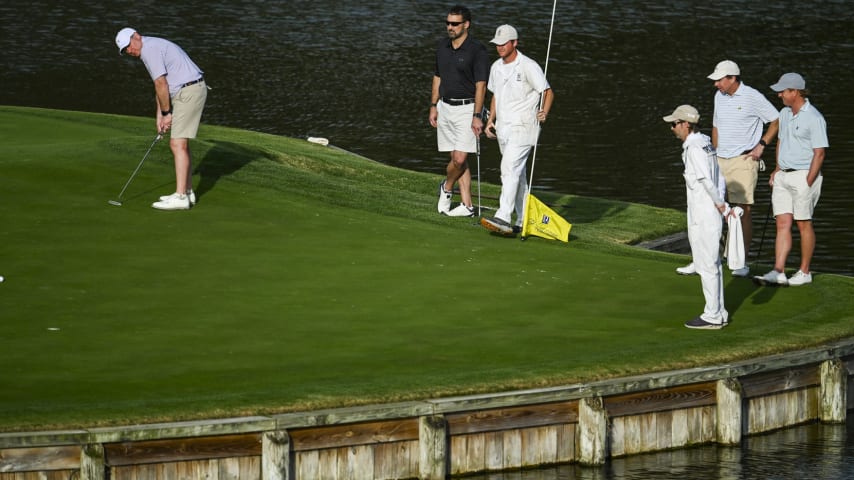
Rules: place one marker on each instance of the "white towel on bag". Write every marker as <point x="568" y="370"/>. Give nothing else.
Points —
<point x="734" y="251"/>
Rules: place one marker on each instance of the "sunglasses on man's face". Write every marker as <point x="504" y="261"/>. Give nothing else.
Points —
<point x="453" y="24"/>
<point x="673" y="124"/>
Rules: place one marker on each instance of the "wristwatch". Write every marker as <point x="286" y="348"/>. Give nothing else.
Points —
<point x="477" y="115"/>
<point x="166" y="112"/>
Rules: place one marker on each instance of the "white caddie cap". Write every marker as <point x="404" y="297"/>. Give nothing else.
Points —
<point x="724" y="69"/>
<point x="123" y="38"/>
<point x="504" y="34"/>
<point x="685" y="113"/>
<point x="789" y="80"/>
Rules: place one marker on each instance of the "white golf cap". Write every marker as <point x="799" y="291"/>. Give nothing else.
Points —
<point x="685" y="113"/>
<point x="724" y="69"/>
<point x="504" y="34"/>
<point x="789" y="80"/>
<point x="123" y="38"/>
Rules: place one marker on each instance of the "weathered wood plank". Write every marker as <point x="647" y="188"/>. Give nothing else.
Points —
<point x="512" y="449"/>
<point x="510" y="418"/>
<point x="327" y="463"/>
<point x="566" y="442"/>
<point x="276" y="458"/>
<point x="178" y="450"/>
<point x="679" y="428"/>
<point x="833" y="391"/>
<point x="592" y="431"/>
<point x="685" y="396"/>
<point x="433" y="447"/>
<point x="493" y="450"/>
<point x="40" y="458"/>
<point x="780" y="380"/>
<point x="354" y="434"/>
<point x="664" y="430"/>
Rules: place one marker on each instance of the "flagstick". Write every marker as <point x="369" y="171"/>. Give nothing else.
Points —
<point x="542" y="96"/>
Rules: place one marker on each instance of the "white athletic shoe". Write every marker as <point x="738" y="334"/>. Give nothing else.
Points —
<point x="444" y="199"/>
<point x="800" y="278"/>
<point x="176" y="201"/>
<point x="771" y="278"/>
<point x="461" y="211"/>
<point x="741" y="272"/>
<point x="190" y="194"/>
<point x="687" y="269"/>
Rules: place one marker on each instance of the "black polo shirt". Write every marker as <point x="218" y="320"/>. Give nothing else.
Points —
<point x="462" y="68"/>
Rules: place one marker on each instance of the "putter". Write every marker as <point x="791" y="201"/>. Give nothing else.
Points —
<point x="118" y="202"/>
<point x="764" y="227"/>
<point x="478" y="175"/>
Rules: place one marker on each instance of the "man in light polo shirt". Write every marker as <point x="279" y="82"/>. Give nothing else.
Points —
<point x="517" y="84"/>
<point x="739" y="116"/>
<point x="180" y="94"/>
<point x="456" y="100"/>
<point x="796" y="181"/>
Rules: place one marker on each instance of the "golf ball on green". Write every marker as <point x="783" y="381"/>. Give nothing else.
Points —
<point x="2" y="279"/>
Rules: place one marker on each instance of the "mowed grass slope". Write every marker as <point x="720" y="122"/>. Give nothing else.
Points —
<point x="307" y="277"/>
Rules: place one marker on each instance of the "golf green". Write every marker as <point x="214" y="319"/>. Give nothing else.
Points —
<point x="307" y="277"/>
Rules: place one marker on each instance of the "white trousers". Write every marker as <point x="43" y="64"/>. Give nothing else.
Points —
<point x="514" y="184"/>
<point x="704" y="238"/>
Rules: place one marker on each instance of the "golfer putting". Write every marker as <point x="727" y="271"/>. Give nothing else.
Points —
<point x="180" y="94"/>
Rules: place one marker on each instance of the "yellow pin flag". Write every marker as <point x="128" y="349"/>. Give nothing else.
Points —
<point x="542" y="221"/>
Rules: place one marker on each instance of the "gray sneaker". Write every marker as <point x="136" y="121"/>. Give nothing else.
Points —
<point x="444" y="199"/>
<point x="700" y="324"/>
<point x="743" y="272"/>
<point x="772" y="278"/>
<point x="496" y="225"/>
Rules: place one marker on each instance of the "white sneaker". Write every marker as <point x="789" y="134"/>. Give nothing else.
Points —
<point x="800" y="278"/>
<point x="461" y="211"/>
<point x="444" y="199"/>
<point x="687" y="269"/>
<point x="190" y="194"/>
<point x="741" y="272"/>
<point x="771" y="278"/>
<point x="176" y="201"/>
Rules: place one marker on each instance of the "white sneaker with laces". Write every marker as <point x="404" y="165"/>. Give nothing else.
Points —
<point x="741" y="272"/>
<point x="800" y="278"/>
<point x="176" y="201"/>
<point x="444" y="199"/>
<point x="461" y="211"/>
<point x="771" y="278"/>
<point x="689" y="269"/>
<point x="190" y="194"/>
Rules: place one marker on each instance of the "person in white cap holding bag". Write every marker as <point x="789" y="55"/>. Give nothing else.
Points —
<point x="739" y="117"/>
<point x="517" y="82"/>
<point x="796" y="180"/>
<point x="180" y="93"/>
<point x="705" y="192"/>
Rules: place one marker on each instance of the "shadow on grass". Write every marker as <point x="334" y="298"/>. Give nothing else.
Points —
<point x="738" y="290"/>
<point x="220" y="160"/>
<point x="583" y="210"/>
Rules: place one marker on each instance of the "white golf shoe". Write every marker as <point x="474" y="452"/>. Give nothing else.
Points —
<point x="741" y="272"/>
<point x="444" y="199"/>
<point x="800" y="278"/>
<point x="689" y="269"/>
<point x="771" y="278"/>
<point x="461" y="211"/>
<point x="190" y="194"/>
<point x="176" y="201"/>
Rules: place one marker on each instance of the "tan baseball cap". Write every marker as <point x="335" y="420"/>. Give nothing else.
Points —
<point x="685" y="113"/>
<point x="724" y="69"/>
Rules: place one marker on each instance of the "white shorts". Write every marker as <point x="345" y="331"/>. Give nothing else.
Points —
<point x="187" y="106"/>
<point x="454" y="128"/>
<point x="791" y="194"/>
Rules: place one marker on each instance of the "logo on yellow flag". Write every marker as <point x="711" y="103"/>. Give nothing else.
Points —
<point x="542" y="221"/>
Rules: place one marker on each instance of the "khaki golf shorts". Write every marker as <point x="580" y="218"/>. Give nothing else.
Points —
<point x="741" y="174"/>
<point x="454" y="128"/>
<point x="187" y="106"/>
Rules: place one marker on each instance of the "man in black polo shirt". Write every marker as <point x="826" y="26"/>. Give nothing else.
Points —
<point x="459" y="88"/>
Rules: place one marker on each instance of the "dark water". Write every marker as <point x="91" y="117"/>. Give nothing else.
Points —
<point x="359" y="74"/>
<point x="814" y="452"/>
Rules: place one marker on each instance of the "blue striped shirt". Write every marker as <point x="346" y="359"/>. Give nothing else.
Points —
<point x="740" y="118"/>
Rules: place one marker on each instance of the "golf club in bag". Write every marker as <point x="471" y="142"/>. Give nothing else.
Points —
<point x="118" y="202"/>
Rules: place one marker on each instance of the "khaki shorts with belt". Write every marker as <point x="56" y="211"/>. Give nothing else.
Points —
<point x="741" y="173"/>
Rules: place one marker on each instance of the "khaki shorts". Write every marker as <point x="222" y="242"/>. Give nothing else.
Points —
<point x="187" y="106"/>
<point x="791" y="194"/>
<point x="741" y="174"/>
<point x="454" y="128"/>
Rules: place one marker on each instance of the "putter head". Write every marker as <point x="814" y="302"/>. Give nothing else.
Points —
<point x="115" y="202"/>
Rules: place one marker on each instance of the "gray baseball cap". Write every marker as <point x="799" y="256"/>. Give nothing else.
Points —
<point x="789" y="80"/>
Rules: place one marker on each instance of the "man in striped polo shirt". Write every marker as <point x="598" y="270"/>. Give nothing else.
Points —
<point x="741" y="112"/>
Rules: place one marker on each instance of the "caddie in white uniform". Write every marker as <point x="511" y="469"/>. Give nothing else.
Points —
<point x="705" y="206"/>
<point x="517" y="84"/>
